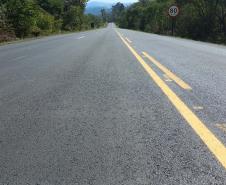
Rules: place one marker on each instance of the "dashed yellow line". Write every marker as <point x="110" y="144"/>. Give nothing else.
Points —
<point x="171" y="75"/>
<point x="211" y="141"/>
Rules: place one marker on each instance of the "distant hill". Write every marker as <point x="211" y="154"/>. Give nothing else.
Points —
<point x="95" y="7"/>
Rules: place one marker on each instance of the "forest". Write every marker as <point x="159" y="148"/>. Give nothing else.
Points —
<point x="203" y="20"/>
<point x="32" y="18"/>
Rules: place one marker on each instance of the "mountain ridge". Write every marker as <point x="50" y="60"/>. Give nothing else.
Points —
<point x="95" y="7"/>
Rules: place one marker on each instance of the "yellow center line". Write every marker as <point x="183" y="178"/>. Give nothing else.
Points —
<point x="171" y="75"/>
<point x="211" y="141"/>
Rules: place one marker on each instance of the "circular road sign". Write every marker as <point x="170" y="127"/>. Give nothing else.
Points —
<point x="174" y="11"/>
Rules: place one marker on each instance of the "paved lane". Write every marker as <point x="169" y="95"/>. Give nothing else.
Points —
<point x="80" y="109"/>
<point x="201" y="65"/>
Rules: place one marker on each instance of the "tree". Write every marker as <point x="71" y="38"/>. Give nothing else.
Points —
<point x="199" y="19"/>
<point x="54" y="7"/>
<point x="69" y="3"/>
<point x="35" y="17"/>
<point x="21" y="14"/>
<point x="221" y="16"/>
<point x="3" y="19"/>
<point x="73" y="18"/>
<point x="104" y="15"/>
<point x="117" y="10"/>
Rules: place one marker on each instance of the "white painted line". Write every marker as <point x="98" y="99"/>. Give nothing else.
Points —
<point x="198" y="108"/>
<point x="128" y="40"/>
<point x="19" y="58"/>
<point x="222" y="126"/>
<point x="167" y="78"/>
<point x="81" y="37"/>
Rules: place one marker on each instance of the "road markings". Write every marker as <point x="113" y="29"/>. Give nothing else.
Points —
<point x="167" y="79"/>
<point x="197" y="107"/>
<point x="81" y="37"/>
<point x="128" y="40"/>
<point x="19" y="58"/>
<point x="211" y="141"/>
<point x="171" y="75"/>
<point x="221" y="126"/>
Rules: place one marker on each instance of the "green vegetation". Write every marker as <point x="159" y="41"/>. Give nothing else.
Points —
<point x="199" y="19"/>
<point x="27" y="18"/>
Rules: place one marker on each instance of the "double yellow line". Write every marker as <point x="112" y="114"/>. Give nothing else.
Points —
<point x="172" y="76"/>
<point x="211" y="141"/>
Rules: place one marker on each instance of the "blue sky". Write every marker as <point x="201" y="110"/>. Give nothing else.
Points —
<point x="114" y="1"/>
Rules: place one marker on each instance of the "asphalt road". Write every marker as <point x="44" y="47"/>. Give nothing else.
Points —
<point x="91" y="108"/>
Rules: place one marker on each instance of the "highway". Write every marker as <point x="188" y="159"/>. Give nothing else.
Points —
<point x="112" y="107"/>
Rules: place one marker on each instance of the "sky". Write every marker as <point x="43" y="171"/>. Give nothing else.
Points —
<point x="114" y="1"/>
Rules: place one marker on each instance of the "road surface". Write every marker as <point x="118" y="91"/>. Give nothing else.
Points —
<point x="112" y="107"/>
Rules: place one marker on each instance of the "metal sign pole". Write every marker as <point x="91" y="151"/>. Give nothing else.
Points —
<point x="172" y="27"/>
<point x="173" y="13"/>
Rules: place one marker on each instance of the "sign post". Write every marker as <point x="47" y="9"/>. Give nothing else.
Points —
<point x="173" y="13"/>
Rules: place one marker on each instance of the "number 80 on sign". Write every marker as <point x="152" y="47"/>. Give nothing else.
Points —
<point x="174" y="11"/>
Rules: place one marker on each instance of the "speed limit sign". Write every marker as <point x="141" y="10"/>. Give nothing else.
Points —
<point x="174" y="11"/>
